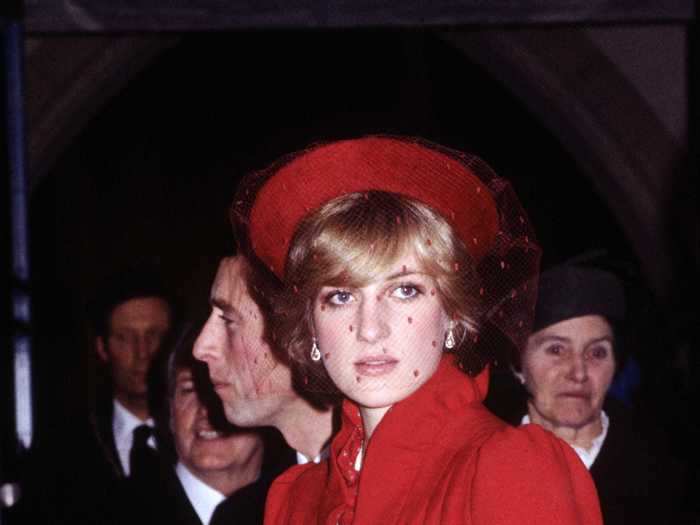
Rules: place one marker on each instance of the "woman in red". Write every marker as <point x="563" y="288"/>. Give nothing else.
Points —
<point x="401" y="263"/>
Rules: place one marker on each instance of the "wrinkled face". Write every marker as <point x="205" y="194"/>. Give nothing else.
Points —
<point x="567" y="368"/>
<point x="380" y="342"/>
<point x="252" y="384"/>
<point x="136" y="329"/>
<point x="202" y="445"/>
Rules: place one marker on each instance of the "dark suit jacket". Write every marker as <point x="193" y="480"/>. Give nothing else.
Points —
<point x="101" y="432"/>
<point x="166" y="501"/>
<point x="71" y="474"/>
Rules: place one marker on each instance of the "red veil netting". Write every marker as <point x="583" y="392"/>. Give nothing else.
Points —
<point x="481" y="208"/>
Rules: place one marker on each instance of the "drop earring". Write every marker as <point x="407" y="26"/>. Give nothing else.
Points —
<point x="520" y="377"/>
<point x="450" y="339"/>
<point x="315" y="352"/>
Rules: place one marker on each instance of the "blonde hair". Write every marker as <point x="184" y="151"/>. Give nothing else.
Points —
<point x="353" y="238"/>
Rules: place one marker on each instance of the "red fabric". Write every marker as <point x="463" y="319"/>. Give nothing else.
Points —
<point x="371" y="163"/>
<point x="439" y="457"/>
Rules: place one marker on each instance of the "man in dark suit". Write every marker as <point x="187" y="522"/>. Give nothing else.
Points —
<point x="132" y="316"/>
<point x="74" y="472"/>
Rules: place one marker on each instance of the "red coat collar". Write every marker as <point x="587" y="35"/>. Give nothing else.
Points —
<point x="396" y="450"/>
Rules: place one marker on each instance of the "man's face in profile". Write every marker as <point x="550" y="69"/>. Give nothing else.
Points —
<point x="252" y="384"/>
<point x="205" y="442"/>
<point x="135" y="331"/>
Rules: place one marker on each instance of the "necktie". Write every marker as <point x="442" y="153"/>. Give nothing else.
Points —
<point x="143" y="460"/>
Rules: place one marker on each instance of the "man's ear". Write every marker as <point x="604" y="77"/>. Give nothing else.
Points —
<point x="101" y="349"/>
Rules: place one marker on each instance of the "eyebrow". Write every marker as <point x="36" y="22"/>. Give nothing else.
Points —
<point x="391" y="277"/>
<point x="607" y="338"/>
<point x="546" y="338"/>
<point x="404" y="273"/>
<point x="550" y="337"/>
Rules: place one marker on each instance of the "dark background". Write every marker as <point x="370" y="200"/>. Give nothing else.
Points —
<point x="151" y="177"/>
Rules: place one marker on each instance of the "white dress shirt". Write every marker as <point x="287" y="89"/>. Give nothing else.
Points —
<point x="587" y="455"/>
<point x="123" y="425"/>
<point x="203" y="498"/>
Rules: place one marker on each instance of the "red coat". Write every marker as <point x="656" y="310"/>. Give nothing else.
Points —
<point x="439" y="457"/>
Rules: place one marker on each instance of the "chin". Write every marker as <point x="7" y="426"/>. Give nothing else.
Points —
<point x="212" y="463"/>
<point x="380" y="398"/>
<point x="244" y="415"/>
<point x="577" y="422"/>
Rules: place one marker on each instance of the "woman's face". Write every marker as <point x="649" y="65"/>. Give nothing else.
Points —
<point x="567" y="368"/>
<point x="382" y="341"/>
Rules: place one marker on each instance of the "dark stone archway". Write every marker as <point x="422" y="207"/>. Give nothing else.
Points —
<point x="558" y="73"/>
<point x="602" y="121"/>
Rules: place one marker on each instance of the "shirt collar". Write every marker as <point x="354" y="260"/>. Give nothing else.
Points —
<point x="123" y="425"/>
<point x="587" y="455"/>
<point x="203" y="498"/>
<point x="303" y="460"/>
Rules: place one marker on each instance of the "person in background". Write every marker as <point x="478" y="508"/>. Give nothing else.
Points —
<point x="75" y="471"/>
<point x="567" y="368"/>
<point x="212" y="473"/>
<point x="132" y="316"/>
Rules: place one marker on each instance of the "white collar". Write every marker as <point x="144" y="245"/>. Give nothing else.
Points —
<point x="204" y="499"/>
<point x="587" y="455"/>
<point x="123" y="425"/>
<point x="302" y="459"/>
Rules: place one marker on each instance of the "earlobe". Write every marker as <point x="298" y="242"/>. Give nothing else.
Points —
<point x="101" y="349"/>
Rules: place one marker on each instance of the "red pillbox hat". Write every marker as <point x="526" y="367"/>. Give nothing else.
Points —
<point x="445" y="180"/>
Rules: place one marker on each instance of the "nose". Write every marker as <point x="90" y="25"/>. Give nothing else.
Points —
<point x="206" y="347"/>
<point x="371" y="322"/>
<point x="578" y="369"/>
<point x="144" y="347"/>
<point x="202" y="410"/>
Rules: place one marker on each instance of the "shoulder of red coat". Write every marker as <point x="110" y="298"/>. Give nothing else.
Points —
<point x="292" y="474"/>
<point x="296" y="487"/>
<point x="526" y="441"/>
<point x="530" y="451"/>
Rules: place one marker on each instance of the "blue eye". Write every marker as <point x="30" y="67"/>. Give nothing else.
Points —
<point x="405" y="291"/>
<point x="339" y="298"/>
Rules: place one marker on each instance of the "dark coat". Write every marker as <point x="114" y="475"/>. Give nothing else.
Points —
<point x="637" y="479"/>
<point x="166" y="501"/>
<point x="72" y="473"/>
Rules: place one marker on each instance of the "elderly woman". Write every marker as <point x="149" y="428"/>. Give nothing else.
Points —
<point x="392" y="252"/>
<point x="567" y="368"/>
